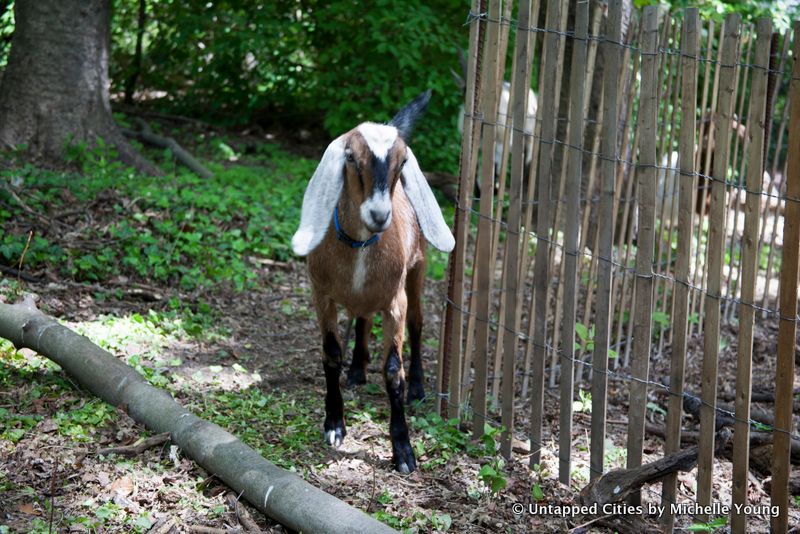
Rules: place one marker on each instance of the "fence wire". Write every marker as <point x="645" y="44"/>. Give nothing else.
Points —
<point x="773" y="194"/>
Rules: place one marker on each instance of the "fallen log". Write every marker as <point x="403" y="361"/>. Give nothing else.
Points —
<point x="794" y="483"/>
<point x="146" y="135"/>
<point x="276" y="492"/>
<point x="760" y="447"/>
<point x="617" y="484"/>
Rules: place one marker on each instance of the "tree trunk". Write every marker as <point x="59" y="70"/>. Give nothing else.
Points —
<point x="54" y="90"/>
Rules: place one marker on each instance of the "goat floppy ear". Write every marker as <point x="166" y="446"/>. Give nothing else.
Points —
<point x="429" y="215"/>
<point x="320" y="199"/>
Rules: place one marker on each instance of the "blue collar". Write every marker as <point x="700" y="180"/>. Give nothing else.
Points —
<point x="344" y="238"/>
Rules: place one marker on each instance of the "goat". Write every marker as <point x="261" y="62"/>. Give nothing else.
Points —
<point x="502" y="121"/>
<point x="369" y="185"/>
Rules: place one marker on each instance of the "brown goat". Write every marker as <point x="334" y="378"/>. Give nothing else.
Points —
<point x="365" y="213"/>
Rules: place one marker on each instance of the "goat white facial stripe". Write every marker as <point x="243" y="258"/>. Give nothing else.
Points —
<point x="379" y="138"/>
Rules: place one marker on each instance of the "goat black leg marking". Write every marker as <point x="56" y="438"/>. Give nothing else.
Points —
<point x="334" y="406"/>
<point x="402" y="453"/>
<point x="357" y="373"/>
<point x="416" y="377"/>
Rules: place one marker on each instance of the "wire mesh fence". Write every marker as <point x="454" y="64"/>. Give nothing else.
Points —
<point x="636" y="232"/>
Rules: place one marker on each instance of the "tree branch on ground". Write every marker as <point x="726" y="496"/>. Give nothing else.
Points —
<point x="242" y="514"/>
<point x="145" y="135"/>
<point x="137" y="448"/>
<point x="617" y="484"/>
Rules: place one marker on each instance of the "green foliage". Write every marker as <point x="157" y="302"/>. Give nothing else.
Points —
<point x="412" y="47"/>
<point x="81" y="422"/>
<point x="236" y="61"/>
<point x="6" y="30"/>
<point x="491" y="474"/>
<point x="442" y="439"/>
<point x="584" y="402"/>
<point x="711" y="526"/>
<point x="586" y="336"/>
<point x="178" y="229"/>
<point x="253" y="415"/>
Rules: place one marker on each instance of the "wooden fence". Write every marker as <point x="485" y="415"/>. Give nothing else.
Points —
<point x="642" y="231"/>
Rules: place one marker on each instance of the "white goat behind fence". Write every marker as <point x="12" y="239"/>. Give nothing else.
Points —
<point x="503" y="121"/>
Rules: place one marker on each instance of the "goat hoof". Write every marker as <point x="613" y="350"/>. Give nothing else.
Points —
<point x="356" y="377"/>
<point x="415" y="393"/>
<point x="334" y="436"/>
<point x="403" y="458"/>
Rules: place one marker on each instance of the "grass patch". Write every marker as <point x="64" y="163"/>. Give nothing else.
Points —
<point x="283" y="429"/>
<point x="177" y="229"/>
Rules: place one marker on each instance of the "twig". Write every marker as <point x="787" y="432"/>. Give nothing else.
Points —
<point x="137" y="448"/>
<point x="24" y="251"/>
<point x="371" y="497"/>
<point x="242" y="514"/>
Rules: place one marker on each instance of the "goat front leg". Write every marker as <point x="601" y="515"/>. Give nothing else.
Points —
<point x="357" y="373"/>
<point x="416" y="376"/>
<point x="393" y="374"/>
<point x="334" y="428"/>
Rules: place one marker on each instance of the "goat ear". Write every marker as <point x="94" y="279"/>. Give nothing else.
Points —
<point x="429" y="215"/>
<point x="320" y="199"/>
<point x="406" y="118"/>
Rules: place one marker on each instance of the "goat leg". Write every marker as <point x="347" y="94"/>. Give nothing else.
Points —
<point x="393" y="326"/>
<point x="334" y="405"/>
<point x="334" y="428"/>
<point x="416" y="376"/>
<point x="357" y="372"/>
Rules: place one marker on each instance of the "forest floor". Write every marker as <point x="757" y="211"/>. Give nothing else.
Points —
<point x="245" y="353"/>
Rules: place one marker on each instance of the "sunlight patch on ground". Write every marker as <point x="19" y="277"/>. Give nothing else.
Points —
<point x="219" y="377"/>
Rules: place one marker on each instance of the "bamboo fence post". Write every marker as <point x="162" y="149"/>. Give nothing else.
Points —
<point x="643" y="306"/>
<point x="484" y="239"/>
<point x="611" y="50"/>
<point x="737" y="187"/>
<point x="710" y="147"/>
<point x="624" y="170"/>
<point x="514" y="235"/>
<point x="454" y="316"/>
<point x="690" y="42"/>
<point x="504" y="121"/>
<point x="573" y="180"/>
<point x="528" y="205"/>
<point x="542" y="274"/>
<point x="755" y="168"/>
<point x="716" y="239"/>
<point x="587" y="310"/>
<point x="774" y="170"/>
<point x="668" y="202"/>
<point x="787" y="331"/>
<point x="626" y="229"/>
<point x="774" y="231"/>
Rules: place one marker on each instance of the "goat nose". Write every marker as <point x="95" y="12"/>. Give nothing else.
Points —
<point x="379" y="216"/>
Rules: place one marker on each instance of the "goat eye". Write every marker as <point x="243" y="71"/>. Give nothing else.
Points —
<point x="349" y="157"/>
